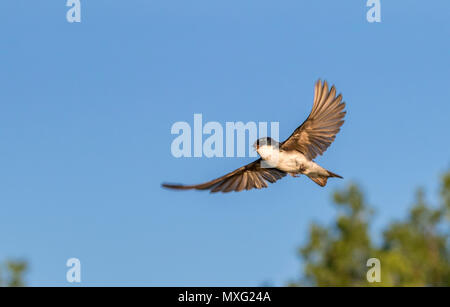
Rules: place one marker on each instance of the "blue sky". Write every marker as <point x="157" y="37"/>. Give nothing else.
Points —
<point x="86" y="111"/>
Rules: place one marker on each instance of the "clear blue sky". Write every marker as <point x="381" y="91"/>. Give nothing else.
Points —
<point x="86" y="111"/>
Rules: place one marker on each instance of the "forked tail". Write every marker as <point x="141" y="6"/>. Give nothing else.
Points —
<point x="322" y="179"/>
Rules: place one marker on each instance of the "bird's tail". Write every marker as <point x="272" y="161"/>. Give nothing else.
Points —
<point x="322" y="179"/>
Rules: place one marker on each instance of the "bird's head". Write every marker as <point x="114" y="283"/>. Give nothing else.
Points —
<point x="265" y="142"/>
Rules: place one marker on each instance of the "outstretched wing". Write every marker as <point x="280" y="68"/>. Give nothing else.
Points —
<point x="250" y="176"/>
<point x="319" y="130"/>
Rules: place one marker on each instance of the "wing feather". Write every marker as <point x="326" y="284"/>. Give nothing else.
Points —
<point x="319" y="130"/>
<point x="251" y="176"/>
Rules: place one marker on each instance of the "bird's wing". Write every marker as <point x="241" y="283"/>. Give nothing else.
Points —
<point x="319" y="130"/>
<point x="250" y="176"/>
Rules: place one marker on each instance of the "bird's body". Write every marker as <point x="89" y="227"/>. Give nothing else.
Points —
<point x="293" y="156"/>
<point x="292" y="162"/>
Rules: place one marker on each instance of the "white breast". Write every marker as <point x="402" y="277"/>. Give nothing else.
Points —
<point x="288" y="161"/>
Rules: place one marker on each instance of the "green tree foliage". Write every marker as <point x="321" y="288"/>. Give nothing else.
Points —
<point x="413" y="252"/>
<point x="11" y="273"/>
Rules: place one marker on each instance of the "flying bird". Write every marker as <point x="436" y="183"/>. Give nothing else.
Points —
<point x="294" y="156"/>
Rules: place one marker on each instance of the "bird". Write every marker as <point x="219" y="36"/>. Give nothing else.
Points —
<point x="295" y="156"/>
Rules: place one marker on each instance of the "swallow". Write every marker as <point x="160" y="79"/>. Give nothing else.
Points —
<point x="295" y="156"/>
